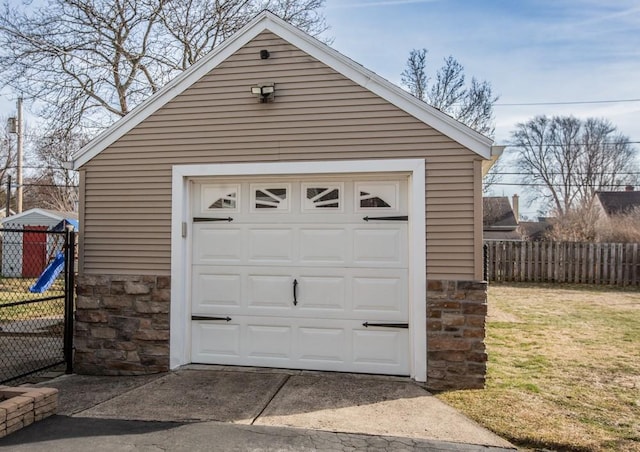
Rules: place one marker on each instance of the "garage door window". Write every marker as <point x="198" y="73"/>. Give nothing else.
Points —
<point x="379" y="196"/>
<point x="216" y="197"/>
<point x="325" y="197"/>
<point x="270" y="197"/>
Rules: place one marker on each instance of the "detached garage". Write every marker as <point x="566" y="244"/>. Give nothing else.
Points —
<point x="267" y="208"/>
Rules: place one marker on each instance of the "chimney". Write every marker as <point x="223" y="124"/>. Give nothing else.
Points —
<point x="516" y="207"/>
<point x="628" y="188"/>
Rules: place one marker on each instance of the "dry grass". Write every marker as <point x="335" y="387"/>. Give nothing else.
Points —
<point x="564" y="368"/>
<point x="14" y="290"/>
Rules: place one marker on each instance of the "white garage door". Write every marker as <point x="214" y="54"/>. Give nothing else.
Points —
<point x="305" y="274"/>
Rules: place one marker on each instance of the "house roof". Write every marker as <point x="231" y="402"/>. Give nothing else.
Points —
<point x="267" y="21"/>
<point x="498" y="214"/>
<point x="619" y="202"/>
<point x="53" y="214"/>
<point x="502" y="235"/>
<point x="534" y="230"/>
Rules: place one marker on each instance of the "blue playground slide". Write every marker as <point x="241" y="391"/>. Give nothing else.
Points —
<point x="49" y="275"/>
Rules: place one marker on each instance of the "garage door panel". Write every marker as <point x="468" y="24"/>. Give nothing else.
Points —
<point x="270" y="246"/>
<point x="301" y="343"/>
<point x="381" y="348"/>
<point x="324" y="246"/>
<point x="214" y="342"/>
<point x="215" y="291"/>
<point x="269" y="290"/>
<point x="269" y="341"/>
<point x="379" y="295"/>
<point x="322" y="345"/>
<point x="380" y="246"/>
<point x="322" y="293"/>
<point x="217" y="244"/>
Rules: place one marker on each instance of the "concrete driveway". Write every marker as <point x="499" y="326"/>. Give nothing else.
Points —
<point x="259" y="402"/>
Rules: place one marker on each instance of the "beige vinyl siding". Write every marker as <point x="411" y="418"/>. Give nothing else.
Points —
<point x="317" y="114"/>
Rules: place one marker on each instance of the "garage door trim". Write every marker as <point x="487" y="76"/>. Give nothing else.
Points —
<point x="180" y="346"/>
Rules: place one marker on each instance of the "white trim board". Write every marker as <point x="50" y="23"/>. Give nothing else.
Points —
<point x="180" y="246"/>
<point x="267" y="21"/>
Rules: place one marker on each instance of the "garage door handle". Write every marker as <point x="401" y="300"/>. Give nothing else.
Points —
<point x="386" y="325"/>
<point x="295" y="292"/>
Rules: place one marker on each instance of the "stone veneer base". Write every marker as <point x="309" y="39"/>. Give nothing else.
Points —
<point x="22" y="406"/>
<point x="456" y="318"/>
<point x="122" y="328"/>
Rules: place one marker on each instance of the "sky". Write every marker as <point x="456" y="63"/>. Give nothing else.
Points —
<point x="555" y="52"/>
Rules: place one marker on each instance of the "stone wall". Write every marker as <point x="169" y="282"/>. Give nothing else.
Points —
<point x="122" y="325"/>
<point x="122" y="328"/>
<point x="456" y="315"/>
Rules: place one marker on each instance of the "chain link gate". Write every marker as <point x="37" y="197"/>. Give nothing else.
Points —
<point x="37" y="282"/>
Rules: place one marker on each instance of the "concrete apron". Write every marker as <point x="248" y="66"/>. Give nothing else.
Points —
<point x="349" y="403"/>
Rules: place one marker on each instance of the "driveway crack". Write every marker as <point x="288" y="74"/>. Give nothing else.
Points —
<point x="273" y="396"/>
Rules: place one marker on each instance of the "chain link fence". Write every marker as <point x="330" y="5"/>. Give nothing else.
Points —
<point x="36" y="301"/>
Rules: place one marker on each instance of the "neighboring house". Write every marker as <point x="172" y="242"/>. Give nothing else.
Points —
<point x="613" y="203"/>
<point x="267" y="208"/>
<point x="535" y="231"/>
<point x="26" y="254"/>
<point x="499" y="221"/>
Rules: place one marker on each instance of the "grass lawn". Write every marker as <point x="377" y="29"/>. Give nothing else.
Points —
<point x="17" y="289"/>
<point x="564" y="368"/>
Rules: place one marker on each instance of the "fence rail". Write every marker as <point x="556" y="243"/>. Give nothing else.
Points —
<point x="586" y="263"/>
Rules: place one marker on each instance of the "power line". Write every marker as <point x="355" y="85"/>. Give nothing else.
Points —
<point x="540" y="184"/>
<point x="615" y="143"/>
<point x="575" y="102"/>
<point x="624" y="173"/>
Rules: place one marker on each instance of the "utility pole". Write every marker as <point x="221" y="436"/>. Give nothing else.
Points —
<point x="20" y="155"/>
<point x="8" y="208"/>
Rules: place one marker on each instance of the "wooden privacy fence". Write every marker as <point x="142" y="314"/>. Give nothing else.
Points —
<point x="588" y="263"/>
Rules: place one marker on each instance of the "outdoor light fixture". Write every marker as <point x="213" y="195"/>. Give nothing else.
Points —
<point x="265" y="91"/>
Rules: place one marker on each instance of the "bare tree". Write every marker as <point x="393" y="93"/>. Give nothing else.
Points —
<point x="578" y="224"/>
<point x="414" y="76"/>
<point x="566" y="160"/>
<point x="471" y="105"/>
<point x="54" y="186"/>
<point x="91" y="62"/>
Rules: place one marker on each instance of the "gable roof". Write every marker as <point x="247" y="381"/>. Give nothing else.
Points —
<point x="267" y="21"/>
<point x="53" y="214"/>
<point x="497" y="214"/>
<point x="619" y="202"/>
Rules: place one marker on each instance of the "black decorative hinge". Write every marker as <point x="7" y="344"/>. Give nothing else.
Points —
<point x="204" y="317"/>
<point x="204" y="219"/>
<point x="401" y="218"/>
<point x="386" y="325"/>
